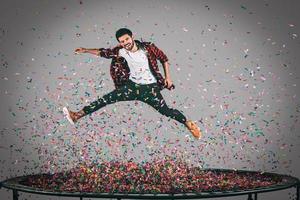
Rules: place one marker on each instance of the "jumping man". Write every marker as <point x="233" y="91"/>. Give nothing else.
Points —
<point x="136" y="76"/>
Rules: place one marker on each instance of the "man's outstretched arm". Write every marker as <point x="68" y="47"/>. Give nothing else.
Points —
<point x="106" y="53"/>
<point x="85" y="50"/>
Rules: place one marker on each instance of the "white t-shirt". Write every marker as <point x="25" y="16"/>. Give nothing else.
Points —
<point x="139" y="67"/>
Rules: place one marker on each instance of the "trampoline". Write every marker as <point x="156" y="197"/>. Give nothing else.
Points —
<point x="131" y="181"/>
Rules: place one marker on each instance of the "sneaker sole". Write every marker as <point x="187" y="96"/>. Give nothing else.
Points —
<point x="67" y="114"/>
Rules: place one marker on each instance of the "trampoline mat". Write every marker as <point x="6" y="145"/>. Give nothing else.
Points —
<point x="157" y="178"/>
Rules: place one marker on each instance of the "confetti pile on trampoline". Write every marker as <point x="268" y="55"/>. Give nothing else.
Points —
<point x="160" y="179"/>
<point x="165" y="176"/>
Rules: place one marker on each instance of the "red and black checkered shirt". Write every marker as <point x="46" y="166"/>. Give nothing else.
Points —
<point x="119" y="69"/>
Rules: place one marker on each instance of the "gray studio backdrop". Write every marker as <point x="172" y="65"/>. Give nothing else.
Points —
<point x="234" y="64"/>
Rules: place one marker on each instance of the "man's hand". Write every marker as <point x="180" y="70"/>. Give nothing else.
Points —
<point x="80" y="50"/>
<point x="168" y="83"/>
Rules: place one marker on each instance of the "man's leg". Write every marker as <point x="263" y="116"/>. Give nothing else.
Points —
<point x="153" y="97"/>
<point x="114" y="96"/>
<point x="124" y="93"/>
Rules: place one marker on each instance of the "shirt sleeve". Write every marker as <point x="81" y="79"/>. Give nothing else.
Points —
<point x="108" y="53"/>
<point x="159" y="54"/>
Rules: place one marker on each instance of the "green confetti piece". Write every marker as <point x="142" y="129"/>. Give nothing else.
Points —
<point x="243" y="7"/>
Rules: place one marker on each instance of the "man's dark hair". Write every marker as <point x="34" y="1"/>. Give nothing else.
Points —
<point x="123" y="31"/>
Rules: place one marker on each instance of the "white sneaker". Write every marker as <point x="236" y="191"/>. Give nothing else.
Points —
<point x="67" y="114"/>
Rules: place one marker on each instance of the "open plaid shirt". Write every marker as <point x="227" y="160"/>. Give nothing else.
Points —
<point x="119" y="69"/>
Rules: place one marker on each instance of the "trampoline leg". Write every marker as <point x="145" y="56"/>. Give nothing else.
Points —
<point x="298" y="191"/>
<point x="15" y="195"/>
<point x="250" y="197"/>
<point x="81" y="198"/>
<point x="255" y="196"/>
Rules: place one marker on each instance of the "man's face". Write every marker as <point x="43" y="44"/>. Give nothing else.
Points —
<point x="126" y="42"/>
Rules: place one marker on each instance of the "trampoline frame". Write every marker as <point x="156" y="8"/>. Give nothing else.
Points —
<point x="252" y="194"/>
